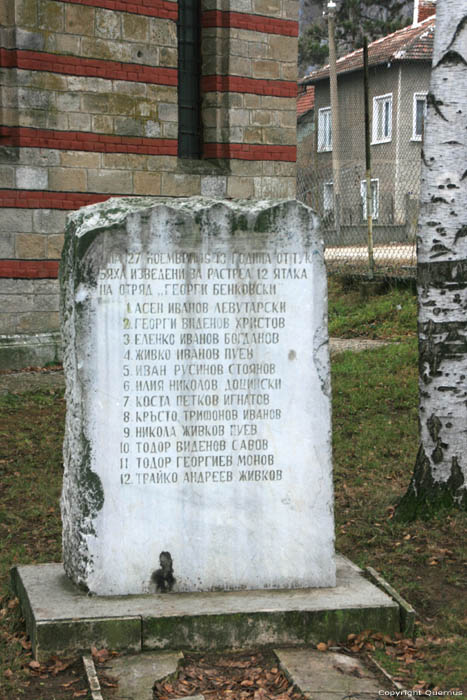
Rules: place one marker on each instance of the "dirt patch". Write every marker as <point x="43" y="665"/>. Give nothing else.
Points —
<point x="337" y="345"/>
<point x="58" y="679"/>
<point x="37" y="379"/>
<point x="236" y="676"/>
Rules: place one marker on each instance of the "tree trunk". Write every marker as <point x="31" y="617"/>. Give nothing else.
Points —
<point x="440" y="475"/>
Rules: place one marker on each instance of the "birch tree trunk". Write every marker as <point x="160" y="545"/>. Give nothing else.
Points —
<point x="440" y="475"/>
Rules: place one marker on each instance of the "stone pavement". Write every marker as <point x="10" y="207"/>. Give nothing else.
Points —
<point x="319" y="675"/>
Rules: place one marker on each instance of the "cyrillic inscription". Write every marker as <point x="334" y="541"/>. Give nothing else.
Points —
<point x="192" y="369"/>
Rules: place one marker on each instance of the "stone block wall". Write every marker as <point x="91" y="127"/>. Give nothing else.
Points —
<point x="88" y="110"/>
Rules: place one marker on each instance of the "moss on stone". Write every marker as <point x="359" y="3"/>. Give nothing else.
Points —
<point x="66" y="637"/>
<point x="241" y="630"/>
<point x="90" y="483"/>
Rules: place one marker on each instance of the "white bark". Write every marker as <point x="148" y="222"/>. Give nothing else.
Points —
<point x="441" y="471"/>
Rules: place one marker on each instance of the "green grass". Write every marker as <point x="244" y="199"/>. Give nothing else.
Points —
<point x="375" y="437"/>
<point x="392" y="315"/>
<point x="375" y="427"/>
<point x="31" y="434"/>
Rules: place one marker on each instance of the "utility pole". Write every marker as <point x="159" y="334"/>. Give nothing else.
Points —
<point x="331" y="15"/>
<point x="369" y="194"/>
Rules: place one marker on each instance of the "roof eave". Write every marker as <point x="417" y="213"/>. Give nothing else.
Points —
<point x="301" y="117"/>
<point x="396" y="58"/>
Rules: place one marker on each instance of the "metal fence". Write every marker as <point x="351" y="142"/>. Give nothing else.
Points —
<point x="346" y="234"/>
<point x="339" y="197"/>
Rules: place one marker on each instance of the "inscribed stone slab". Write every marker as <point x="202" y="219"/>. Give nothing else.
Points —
<point x="197" y="450"/>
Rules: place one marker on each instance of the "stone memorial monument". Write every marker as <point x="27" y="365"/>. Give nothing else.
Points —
<point x="198" y="437"/>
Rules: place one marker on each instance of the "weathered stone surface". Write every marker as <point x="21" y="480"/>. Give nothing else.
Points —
<point x="110" y="181"/>
<point x="31" y="178"/>
<point x="49" y="220"/>
<point x="54" y="246"/>
<point x="177" y="182"/>
<point x="7" y="244"/>
<point x="37" y="322"/>
<point x="329" y="675"/>
<point x="240" y="186"/>
<point x="7" y="176"/>
<point x="68" y="179"/>
<point x="30" y="245"/>
<point x="146" y="183"/>
<point x="197" y="450"/>
<point x="17" y="351"/>
<point x="265" y="69"/>
<point x="137" y="674"/>
<point x="214" y="185"/>
<point x="201" y="621"/>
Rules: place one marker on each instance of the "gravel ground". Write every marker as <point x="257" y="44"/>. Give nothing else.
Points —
<point x="20" y="382"/>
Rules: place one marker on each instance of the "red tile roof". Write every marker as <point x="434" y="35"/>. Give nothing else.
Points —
<point x="305" y="100"/>
<point x="412" y="43"/>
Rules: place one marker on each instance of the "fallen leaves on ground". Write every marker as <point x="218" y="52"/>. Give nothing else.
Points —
<point x="100" y="656"/>
<point x="237" y="676"/>
<point x="108" y="681"/>
<point x="34" y="368"/>
<point x="52" y="667"/>
<point x="403" y="651"/>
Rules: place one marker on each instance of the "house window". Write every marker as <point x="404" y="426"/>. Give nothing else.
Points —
<point x="324" y="129"/>
<point x="328" y="197"/>
<point x="189" y="75"/>
<point x="374" y="198"/>
<point x="419" y="114"/>
<point x="382" y="118"/>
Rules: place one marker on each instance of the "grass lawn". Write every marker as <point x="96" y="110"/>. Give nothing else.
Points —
<point x="392" y="315"/>
<point x="375" y="443"/>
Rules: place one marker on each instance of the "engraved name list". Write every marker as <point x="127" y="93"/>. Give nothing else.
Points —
<point x="201" y="378"/>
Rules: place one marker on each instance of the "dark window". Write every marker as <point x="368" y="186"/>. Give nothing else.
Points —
<point x="189" y="72"/>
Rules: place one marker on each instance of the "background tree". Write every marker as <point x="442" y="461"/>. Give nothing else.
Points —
<point x="440" y="475"/>
<point x="354" y="18"/>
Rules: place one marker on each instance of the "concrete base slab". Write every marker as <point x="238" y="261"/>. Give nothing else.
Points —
<point x="328" y="675"/>
<point x="62" y="619"/>
<point x="136" y="675"/>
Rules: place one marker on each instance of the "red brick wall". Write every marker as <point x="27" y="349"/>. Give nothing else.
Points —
<point x="425" y="9"/>
<point x="89" y="110"/>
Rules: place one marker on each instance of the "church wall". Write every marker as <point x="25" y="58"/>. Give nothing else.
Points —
<point x="89" y="110"/>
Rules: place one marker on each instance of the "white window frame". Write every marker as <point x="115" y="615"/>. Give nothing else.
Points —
<point x="374" y="200"/>
<point x="379" y="102"/>
<point x="416" y="97"/>
<point x="324" y="130"/>
<point x="328" y="197"/>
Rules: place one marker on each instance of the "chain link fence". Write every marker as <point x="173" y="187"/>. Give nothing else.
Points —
<point x="339" y="196"/>
<point x="394" y="222"/>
